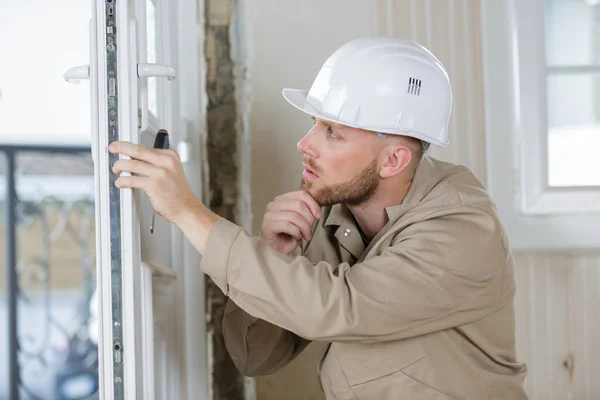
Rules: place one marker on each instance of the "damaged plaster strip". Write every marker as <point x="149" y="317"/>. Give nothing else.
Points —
<point x="241" y="35"/>
<point x="202" y="76"/>
<point x="228" y="155"/>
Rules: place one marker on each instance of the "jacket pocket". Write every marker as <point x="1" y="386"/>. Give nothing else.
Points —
<point x="397" y="385"/>
<point x="363" y="362"/>
<point x="376" y="370"/>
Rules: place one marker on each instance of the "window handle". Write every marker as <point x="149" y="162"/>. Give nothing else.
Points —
<point x="76" y="74"/>
<point x="155" y="70"/>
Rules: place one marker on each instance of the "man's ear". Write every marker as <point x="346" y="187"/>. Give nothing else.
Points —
<point x="395" y="160"/>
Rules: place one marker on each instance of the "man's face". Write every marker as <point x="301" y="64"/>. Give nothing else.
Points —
<point x="340" y="164"/>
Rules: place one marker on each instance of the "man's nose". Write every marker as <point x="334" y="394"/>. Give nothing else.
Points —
<point x="307" y="144"/>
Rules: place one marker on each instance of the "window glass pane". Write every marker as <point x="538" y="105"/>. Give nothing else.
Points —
<point x="40" y="40"/>
<point x="55" y="249"/>
<point x="4" y="362"/>
<point x="572" y="30"/>
<point x="2" y="241"/>
<point x="573" y="130"/>
<point x="151" y="43"/>
<point x="572" y="43"/>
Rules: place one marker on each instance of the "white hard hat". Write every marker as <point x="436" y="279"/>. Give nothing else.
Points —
<point x="381" y="84"/>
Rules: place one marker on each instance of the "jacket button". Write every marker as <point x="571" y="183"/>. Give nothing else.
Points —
<point x="347" y="232"/>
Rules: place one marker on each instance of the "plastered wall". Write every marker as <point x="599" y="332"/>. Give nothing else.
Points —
<point x="282" y="44"/>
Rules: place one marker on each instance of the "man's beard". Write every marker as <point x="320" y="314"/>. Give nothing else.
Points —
<point x="356" y="192"/>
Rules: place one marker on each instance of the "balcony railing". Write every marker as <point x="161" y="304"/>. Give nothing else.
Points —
<point x="49" y="257"/>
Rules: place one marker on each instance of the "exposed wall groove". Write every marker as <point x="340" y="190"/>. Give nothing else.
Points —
<point x="242" y="51"/>
<point x="222" y="152"/>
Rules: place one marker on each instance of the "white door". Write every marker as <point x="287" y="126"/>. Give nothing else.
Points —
<point x="150" y="289"/>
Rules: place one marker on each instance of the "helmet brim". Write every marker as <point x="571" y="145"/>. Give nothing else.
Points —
<point x="299" y="99"/>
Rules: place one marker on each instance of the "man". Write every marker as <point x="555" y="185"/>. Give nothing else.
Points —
<point x="395" y="259"/>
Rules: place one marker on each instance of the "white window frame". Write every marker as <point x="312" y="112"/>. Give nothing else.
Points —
<point x="181" y="335"/>
<point x="536" y="216"/>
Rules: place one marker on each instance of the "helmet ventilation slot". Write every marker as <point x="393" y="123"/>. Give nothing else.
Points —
<point x="414" y="86"/>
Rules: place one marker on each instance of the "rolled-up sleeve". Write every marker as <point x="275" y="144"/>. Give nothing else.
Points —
<point x="444" y="271"/>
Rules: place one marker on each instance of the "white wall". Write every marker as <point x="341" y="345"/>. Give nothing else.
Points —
<point x="286" y="43"/>
<point x="40" y="40"/>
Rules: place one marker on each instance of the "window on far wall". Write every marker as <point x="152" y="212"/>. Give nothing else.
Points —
<point x="572" y="44"/>
<point x="541" y="62"/>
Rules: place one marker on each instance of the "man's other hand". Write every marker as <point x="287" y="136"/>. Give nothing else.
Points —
<point x="288" y="219"/>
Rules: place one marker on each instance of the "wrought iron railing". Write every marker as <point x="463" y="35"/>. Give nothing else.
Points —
<point x="49" y="258"/>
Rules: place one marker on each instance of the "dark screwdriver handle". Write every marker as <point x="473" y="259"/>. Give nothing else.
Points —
<point x="161" y="141"/>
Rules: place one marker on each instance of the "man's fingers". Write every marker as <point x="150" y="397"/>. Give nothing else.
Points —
<point x="292" y="204"/>
<point x="286" y="227"/>
<point x="295" y="205"/>
<point x="291" y="217"/>
<point x="293" y="214"/>
<point x="132" y="150"/>
<point x="311" y="203"/>
<point x="134" y="167"/>
<point x="162" y="157"/>
<point x="304" y="197"/>
<point x="167" y="152"/>
<point x="169" y="158"/>
<point x="136" y="182"/>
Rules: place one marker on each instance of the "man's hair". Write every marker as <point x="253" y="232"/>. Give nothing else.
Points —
<point x="418" y="146"/>
<point x="424" y="147"/>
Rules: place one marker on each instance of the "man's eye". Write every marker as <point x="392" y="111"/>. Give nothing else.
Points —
<point x="332" y="134"/>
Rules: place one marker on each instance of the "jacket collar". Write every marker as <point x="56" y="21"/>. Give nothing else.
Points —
<point x="426" y="178"/>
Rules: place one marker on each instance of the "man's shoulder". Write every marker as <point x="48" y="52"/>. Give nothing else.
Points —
<point x="456" y="185"/>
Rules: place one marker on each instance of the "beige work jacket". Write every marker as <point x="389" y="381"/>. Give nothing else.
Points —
<point x="423" y="311"/>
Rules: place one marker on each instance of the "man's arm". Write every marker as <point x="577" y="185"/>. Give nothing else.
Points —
<point x="258" y="347"/>
<point x="443" y="272"/>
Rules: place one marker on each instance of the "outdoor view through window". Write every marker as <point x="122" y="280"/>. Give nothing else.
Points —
<point x="53" y="197"/>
